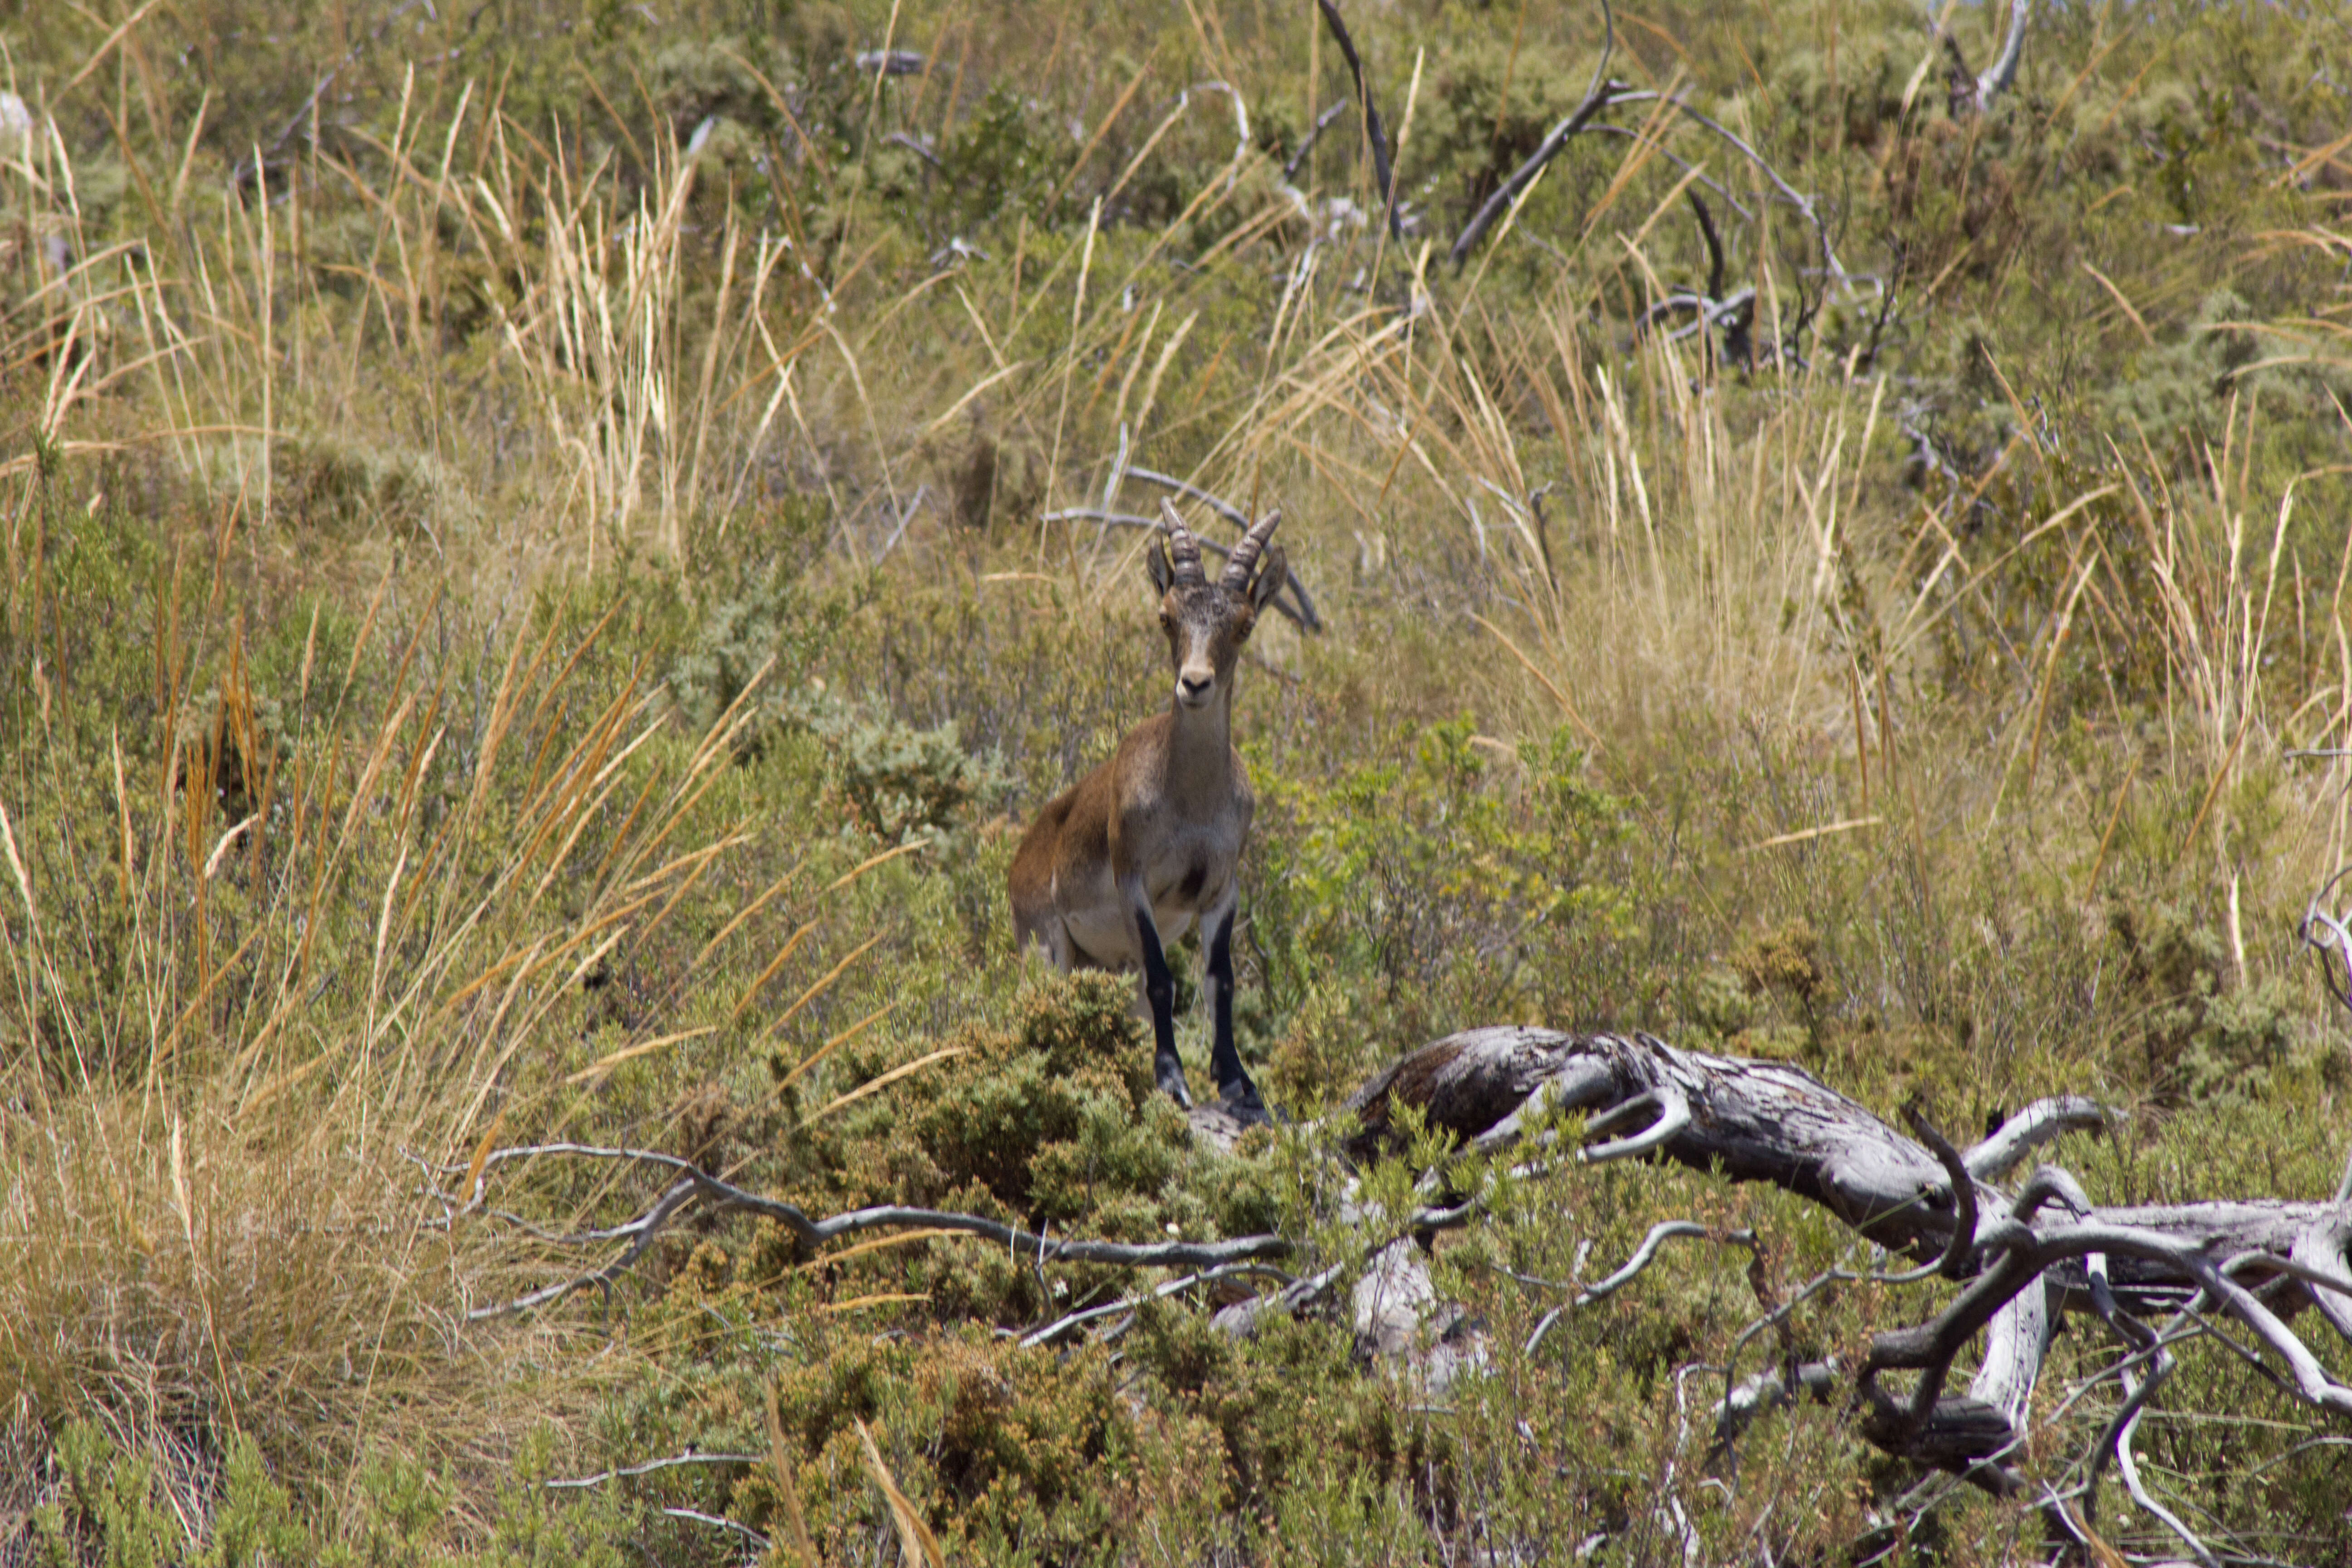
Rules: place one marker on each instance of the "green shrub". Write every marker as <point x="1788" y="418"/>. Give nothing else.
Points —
<point x="2203" y="1032"/>
<point x="898" y="783"/>
<point x="776" y="622"/>
<point x="1433" y="891"/>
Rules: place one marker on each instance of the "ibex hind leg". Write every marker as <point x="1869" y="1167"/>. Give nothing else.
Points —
<point x="1041" y="934"/>
<point x="1234" y="1084"/>
<point x="1052" y="940"/>
<point x="1060" y="945"/>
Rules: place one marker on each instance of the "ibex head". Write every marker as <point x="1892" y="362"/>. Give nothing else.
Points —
<point x="1207" y="623"/>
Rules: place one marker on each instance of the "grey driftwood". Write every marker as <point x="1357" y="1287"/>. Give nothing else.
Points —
<point x="2024" y="1254"/>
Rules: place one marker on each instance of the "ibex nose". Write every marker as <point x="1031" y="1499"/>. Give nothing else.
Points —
<point x="1193" y="687"/>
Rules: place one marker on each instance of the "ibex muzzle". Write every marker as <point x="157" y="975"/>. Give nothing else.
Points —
<point x="1116" y="869"/>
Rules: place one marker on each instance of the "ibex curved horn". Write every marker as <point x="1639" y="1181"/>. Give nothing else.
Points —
<point x="1244" y="557"/>
<point x="1183" y="548"/>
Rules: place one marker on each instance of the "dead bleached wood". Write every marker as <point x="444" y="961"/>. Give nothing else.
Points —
<point x="2003" y="73"/>
<point x="576" y="1483"/>
<point x="1305" y="615"/>
<point x="1643" y="1256"/>
<point x="1973" y="94"/>
<point x="1108" y="518"/>
<point x="1604" y="89"/>
<point x="2030" y="1128"/>
<point x="691" y="1183"/>
<point x="1314" y="133"/>
<point x="1124" y="1308"/>
<point x="2018" y="1259"/>
<point x="1755" y="1120"/>
<point x="2329" y="935"/>
<point x="2023" y="1258"/>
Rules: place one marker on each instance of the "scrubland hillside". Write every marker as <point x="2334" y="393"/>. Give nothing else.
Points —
<point x="550" y="551"/>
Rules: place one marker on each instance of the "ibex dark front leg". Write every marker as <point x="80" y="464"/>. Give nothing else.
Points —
<point x="1160" y="989"/>
<point x="1234" y="1084"/>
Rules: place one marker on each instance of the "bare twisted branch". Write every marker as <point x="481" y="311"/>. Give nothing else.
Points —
<point x="694" y="1183"/>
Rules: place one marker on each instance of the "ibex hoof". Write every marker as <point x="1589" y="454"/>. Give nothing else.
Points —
<point x="1242" y="1099"/>
<point x="1173" y="1084"/>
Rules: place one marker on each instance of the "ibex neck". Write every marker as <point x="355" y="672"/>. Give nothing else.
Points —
<point x="1200" y="742"/>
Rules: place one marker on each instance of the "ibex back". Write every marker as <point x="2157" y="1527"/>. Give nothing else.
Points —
<point x="1116" y="870"/>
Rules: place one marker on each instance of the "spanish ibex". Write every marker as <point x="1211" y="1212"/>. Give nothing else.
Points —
<point x="1118" y="869"/>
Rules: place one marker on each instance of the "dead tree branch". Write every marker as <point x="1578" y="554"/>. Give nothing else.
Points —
<point x="2329" y="935"/>
<point x="1069" y="1323"/>
<point x="1975" y="94"/>
<point x="2140" y="1374"/>
<point x="1307" y="143"/>
<point x="1643" y="1256"/>
<point x="1305" y="615"/>
<point x="1112" y="519"/>
<point x="1108" y="518"/>
<point x="2030" y="1128"/>
<point x="759" y="1541"/>
<point x="2024" y="1258"/>
<point x="1383" y="171"/>
<point x="1803" y="203"/>
<point x="694" y="1183"/>
<point x="1605" y="91"/>
<point x="1954" y="1264"/>
<point x="1696" y="172"/>
<point x="1597" y="97"/>
<point x="1191" y="492"/>
<point x="650" y="1468"/>
<point x="2237" y="1272"/>
<point x="1714" y="245"/>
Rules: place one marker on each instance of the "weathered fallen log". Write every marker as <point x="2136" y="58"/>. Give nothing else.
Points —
<point x="2021" y="1258"/>
<point x="2026" y="1256"/>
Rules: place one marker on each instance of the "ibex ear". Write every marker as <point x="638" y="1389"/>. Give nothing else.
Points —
<point x="1156" y="563"/>
<point x="1272" y="571"/>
